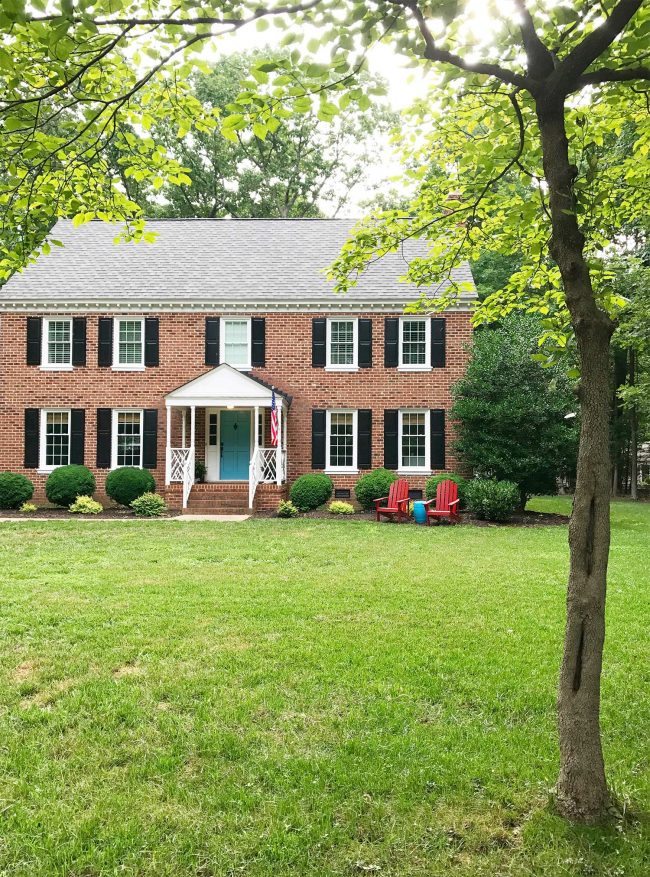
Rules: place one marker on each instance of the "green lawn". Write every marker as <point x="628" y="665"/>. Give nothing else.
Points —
<point x="307" y="697"/>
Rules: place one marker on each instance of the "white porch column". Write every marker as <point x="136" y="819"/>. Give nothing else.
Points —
<point x="278" y="450"/>
<point x="184" y="428"/>
<point x="192" y="441"/>
<point x="168" y="447"/>
<point x="257" y="429"/>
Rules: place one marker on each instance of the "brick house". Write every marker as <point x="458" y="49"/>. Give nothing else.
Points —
<point x="167" y="354"/>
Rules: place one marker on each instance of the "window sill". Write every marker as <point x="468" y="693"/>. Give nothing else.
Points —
<point x="413" y="471"/>
<point x="129" y="368"/>
<point x="47" y="470"/>
<point x="341" y="368"/>
<point x="341" y="471"/>
<point x="56" y="368"/>
<point x="414" y="368"/>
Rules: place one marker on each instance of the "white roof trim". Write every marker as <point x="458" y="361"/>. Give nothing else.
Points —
<point x="107" y="305"/>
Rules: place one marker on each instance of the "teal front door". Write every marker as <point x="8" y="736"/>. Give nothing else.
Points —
<point x="235" y="437"/>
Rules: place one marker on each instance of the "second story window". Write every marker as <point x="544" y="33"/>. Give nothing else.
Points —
<point x="236" y="343"/>
<point x="57" y="343"/>
<point x="414" y="343"/>
<point x="342" y="344"/>
<point x="129" y="343"/>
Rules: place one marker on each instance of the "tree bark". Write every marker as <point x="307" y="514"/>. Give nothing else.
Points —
<point x="634" y="440"/>
<point x="581" y="788"/>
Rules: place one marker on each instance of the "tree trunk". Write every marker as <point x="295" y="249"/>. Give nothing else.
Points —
<point x="634" y="441"/>
<point x="582" y="788"/>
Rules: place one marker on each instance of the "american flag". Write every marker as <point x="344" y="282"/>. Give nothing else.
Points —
<point x="274" y="421"/>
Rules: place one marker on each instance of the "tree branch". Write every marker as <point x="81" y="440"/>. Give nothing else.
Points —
<point x="540" y="60"/>
<point x="567" y="73"/>
<point x="433" y="53"/>
<point x="609" y="74"/>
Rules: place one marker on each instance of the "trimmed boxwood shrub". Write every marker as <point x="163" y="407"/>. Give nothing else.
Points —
<point x="373" y="486"/>
<point x="432" y="485"/>
<point x="492" y="500"/>
<point x="127" y="483"/>
<point x="15" y="489"/>
<point x="149" y="505"/>
<point x="66" y="483"/>
<point x="311" y="491"/>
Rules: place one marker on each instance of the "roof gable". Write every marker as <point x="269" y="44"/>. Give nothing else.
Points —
<point x="223" y="386"/>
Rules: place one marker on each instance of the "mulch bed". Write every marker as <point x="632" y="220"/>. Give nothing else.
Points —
<point x="46" y="513"/>
<point x="521" y="519"/>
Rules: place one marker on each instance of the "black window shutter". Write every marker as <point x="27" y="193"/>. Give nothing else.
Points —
<point x="212" y="340"/>
<point x="258" y="338"/>
<point x="391" y="438"/>
<point x="79" y="341"/>
<point x="438" y="439"/>
<point x="105" y="342"/>
<point x="391" y="342"/>
<point x="318" y="342"/>
<point x="104" y="430"/>
<point x="150" y="439"/>
<point x="365" y="343"/>
<point x="32" y="420"/>
<point x="77" y="435"/>
<point x="438" y="342"/>
<point x="34" y="332"/>
<point x="151" y="327"/>
<point x="364" y="438"/>
<point x="318" y="438"/>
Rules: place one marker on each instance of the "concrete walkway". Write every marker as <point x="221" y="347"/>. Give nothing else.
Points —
<point x="218" y="518"/>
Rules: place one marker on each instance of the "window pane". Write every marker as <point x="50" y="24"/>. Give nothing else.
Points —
<point x="59" y="347"/>
<point x="342" y="342"/>
<point x="130" y="342"/>
<point x="236" y="342"/>
<point x="57" y="438"/>
<point x="413" y="440"/>
<point x="414" y="342"/>
<point x="212" y="430"/>
<point x="128" y="438"/>
<point x="341" y="439"/>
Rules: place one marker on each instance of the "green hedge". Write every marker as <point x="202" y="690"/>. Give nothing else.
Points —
<point x="311" y="491"/>
<point x="66" y="483"/>
<point x="433" y="482"/>
<point x="373" y="486"/>
<point x="127" y="483"/>
<point x="15" y="489"/>
<point x="492" y="500"/>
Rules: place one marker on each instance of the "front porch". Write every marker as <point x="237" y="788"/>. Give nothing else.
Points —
<point x="223" y="421"/>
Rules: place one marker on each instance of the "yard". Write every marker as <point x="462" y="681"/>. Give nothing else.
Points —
<point x="306" y="697"/>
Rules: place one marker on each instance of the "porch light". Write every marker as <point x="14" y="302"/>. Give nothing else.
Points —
<point x="230" y="407"/>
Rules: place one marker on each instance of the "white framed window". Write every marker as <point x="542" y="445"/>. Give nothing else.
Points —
<point x="127" y="438"/>
<point x="235" y="342"/>
<point x="341" y="440"/>
<point x="128" y="343"/>
<point x="414" y="442"/>
<point x="342" y="344"/>
<point x="56" y="343"/>
<point x="54" y="438"/>
<point x="414" y="343"/>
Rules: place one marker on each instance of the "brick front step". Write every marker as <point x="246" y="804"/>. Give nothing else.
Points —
<point x="221" y="498"/>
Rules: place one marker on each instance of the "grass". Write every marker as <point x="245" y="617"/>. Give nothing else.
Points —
<point x="306" y="697"/>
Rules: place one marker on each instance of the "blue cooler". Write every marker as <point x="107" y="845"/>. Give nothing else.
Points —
<point x="420" y="512"/>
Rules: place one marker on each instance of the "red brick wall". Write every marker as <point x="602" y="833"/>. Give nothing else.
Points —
<point x="288" y="366"/>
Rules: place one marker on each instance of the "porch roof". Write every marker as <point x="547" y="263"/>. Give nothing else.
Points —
<point x="223" y="386"/>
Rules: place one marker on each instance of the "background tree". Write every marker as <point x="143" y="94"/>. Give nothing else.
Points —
<point x="546" y="80"/>
<point x="511" y="411"/>
<point x="302" y="168"/>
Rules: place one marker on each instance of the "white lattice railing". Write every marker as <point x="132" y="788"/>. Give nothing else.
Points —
<point x="181" y="468"/>
<point x="268" y="466"/>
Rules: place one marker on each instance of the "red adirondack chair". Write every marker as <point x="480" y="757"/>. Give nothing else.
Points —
<point x="396" y="504"/>
<point x="446" y="502"/>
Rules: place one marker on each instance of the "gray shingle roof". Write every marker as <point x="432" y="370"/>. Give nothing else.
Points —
<point x="197" y="263"/>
